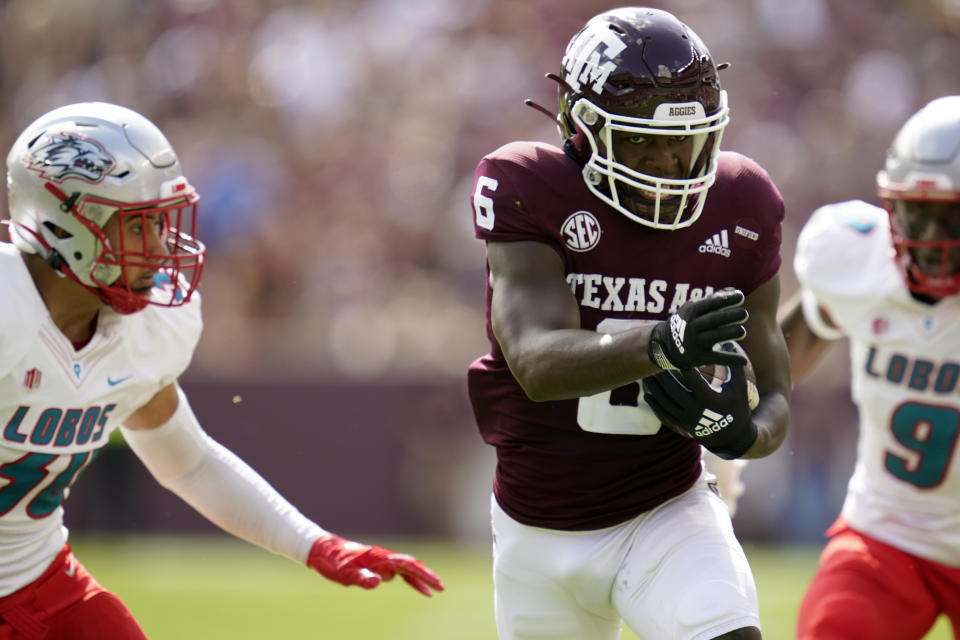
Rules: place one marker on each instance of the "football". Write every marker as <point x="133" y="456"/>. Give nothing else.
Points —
<point x="718" y="374"/>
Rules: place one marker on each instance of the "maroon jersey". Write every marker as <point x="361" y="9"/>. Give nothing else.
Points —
<point x="554" y="470"/>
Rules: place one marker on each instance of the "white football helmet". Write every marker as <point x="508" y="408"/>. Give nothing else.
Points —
<point x="920" y="188"/>
<point x="75" y="168"/>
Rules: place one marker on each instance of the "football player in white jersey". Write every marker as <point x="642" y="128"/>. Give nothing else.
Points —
<point x="889" y="280"/>
<point x="100" y="316"/>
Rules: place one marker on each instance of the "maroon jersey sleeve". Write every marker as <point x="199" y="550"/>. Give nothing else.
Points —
<point x="504" y="182"/>
<point x="755" y="207"/>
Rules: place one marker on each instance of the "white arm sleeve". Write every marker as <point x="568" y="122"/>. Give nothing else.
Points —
<point x="220" y="486"/>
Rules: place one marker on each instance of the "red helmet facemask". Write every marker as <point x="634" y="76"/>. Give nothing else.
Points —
<point x="920" y="188"/>
<point x="926" y="238"/>
<point x="175" y="258"/>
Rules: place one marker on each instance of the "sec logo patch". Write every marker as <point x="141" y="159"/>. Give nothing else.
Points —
<point x="581" y="231"/>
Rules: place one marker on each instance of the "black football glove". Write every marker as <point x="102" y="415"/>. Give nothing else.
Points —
<point x="719" y="420"/>
<point x="687" y="338"/>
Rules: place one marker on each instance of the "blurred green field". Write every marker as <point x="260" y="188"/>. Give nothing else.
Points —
<point x="218" y="588"/>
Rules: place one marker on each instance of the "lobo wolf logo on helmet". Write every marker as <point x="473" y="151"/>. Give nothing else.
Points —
<point x="583" y="62"/>
<point x="64" y="155"/>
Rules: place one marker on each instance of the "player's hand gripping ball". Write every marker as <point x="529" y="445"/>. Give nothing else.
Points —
<point x="718" y="375"/>
<point x="689" y="337"/>
<point x="711" y="404"/>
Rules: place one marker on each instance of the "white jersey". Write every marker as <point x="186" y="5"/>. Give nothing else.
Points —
<point x="58" y="405"/>
<point x="905" y="359"/>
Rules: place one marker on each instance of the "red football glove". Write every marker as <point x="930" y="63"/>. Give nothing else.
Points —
<point x="350" y="563"/>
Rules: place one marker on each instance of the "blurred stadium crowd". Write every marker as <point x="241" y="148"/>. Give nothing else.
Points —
<point x="333" y="143"/>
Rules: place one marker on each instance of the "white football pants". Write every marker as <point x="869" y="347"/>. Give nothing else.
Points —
<point x="676" y="572"/>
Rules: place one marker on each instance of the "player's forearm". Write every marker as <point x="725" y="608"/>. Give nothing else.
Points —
<point x="772" y="418"/>
<point x="221" y="486"/>
<point x="805" y="347"/>
<point x="572" y="363"/>
<point x="230" y="494"/>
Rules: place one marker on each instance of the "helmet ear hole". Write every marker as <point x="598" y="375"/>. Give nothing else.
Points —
<point x="59" y="232"/>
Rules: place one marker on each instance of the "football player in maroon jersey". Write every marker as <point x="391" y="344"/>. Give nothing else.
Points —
<point x="616" y="265"/>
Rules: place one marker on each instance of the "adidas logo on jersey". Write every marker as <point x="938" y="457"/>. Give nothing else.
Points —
<point x="719" y="244"/>
<point x="711" y="422"/>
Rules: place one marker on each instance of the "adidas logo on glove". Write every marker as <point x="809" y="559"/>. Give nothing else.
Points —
<point x="678" y="326"/>
<point x="711" y="422"/>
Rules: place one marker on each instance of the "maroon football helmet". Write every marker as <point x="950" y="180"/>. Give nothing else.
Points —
<point x="635" y="73"/>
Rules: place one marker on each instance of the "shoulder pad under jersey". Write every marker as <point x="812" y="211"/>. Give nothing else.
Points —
<point x="843" y="251"/>
<point x="166" y="337"/>
<point x="21" y="309"/>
